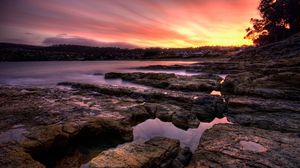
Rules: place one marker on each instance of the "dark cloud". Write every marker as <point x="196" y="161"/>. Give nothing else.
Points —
<point x="84" y="42"/>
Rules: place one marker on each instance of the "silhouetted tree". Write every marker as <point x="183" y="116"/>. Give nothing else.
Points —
<point x="280" y="19"/>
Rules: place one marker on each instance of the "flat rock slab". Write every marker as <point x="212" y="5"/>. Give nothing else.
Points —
<point x="153" y="153"/>
<point x="184" y="109"/>
<point x="271" y="114"/>
<point x="204" y="82"/>
<point x="215" y="67"/>
<point x="238" y="146"/>
<point x="279" y="80"/>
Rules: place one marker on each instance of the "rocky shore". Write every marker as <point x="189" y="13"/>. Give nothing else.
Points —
<point x="84" y="125"/>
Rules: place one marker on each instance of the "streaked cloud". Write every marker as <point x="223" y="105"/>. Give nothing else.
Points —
<point x="167" y="23"/>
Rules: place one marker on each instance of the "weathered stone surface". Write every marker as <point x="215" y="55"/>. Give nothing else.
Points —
<point x="38" y="124"/>
<point x="272" y="114"/>
<point x="165" y="112"/>
<point x="205" y="82"/>
<point x="141" y="94"/>
<point x="266" y="95"/>
<point x="49" y="122"/>
<point x="283" y="85"/>
<point x="183" y="158"/>
<point x="43" y="143"/>
<point x="14" y="156"/>
<point x="187" y="108"/>
<point x="213" y="67"/>
<point x="154" y="153"/>
<point x="238" y="146"/>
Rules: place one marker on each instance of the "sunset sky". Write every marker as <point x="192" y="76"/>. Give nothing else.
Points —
<point x="127" y="23"/>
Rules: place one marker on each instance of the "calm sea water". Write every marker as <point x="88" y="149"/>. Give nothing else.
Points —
<point x="50" y="73"/>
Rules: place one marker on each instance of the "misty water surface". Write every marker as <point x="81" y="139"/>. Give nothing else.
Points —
<point x="52" y="72"/>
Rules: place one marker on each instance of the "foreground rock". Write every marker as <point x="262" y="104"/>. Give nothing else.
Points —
<point x="66" y="128"/>
<point x="157" y="152"/>
<point x="52" y="145"/>
<point x="266" y="96"/>
<point x="271" y="114"/>
<point x="280" y="85"/>
<point x="205" y="82"/>
<point x="46" y="127"/>
<point x="272" y="71"/>
<point x="237" y="146"/>
<point x="183" y="109"/>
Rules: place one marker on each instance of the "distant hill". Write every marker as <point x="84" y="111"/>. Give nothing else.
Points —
<point x="20" y="52"/>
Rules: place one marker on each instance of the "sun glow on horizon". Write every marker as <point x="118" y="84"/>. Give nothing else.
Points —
<point x="131" y="23"/>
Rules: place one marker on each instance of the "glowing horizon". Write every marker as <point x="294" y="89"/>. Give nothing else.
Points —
<point x="129" y="24"/>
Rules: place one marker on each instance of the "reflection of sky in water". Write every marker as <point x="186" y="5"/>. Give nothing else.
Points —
<point x="155" y="127"/>
<point x="50" y="73"/>
<point x="216" y="93"/>
<point x="223" y="76"/>
<point x="177" y="72"/>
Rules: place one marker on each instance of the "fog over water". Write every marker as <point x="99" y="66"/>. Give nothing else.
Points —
<point x="52" y="72"/>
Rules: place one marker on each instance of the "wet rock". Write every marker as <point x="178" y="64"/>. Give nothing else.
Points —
<point x="213" y="67"/>
<point x="16" y="157"/>
<point x="53" y="126"/>
<point x="141" y="113"/>
<point x="208" y="107"/>
<point x="50" y="144"/>
<point x="204" y="106"/>
<point x="238" y="146"/>
<point x="153" y="153"/>
<point x="272" y="114"/>
<point x="38" y="130"/>
<point x="278" y="85"/>
<point x="139" y="75"/>
<point x="165" y="112"/>
<point x="206" y="82"/>
<point x="183" y="158"/>
<point x="185" y="119"/>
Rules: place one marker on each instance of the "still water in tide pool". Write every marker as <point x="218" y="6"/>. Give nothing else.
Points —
<point x="188" y="138"/>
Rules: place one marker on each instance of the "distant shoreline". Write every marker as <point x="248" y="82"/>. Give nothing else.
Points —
<point x="20" y="53"/>
<point x="170" y="59"/>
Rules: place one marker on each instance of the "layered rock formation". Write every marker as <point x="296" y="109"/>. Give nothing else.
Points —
<point x="205" y="82"/>
<point x="238" y="146"/>
<point x="66" y="128"/>
<point x="157" y="152"/>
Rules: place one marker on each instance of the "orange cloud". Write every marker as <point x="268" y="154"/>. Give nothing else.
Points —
<point x="168" y="23"/>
